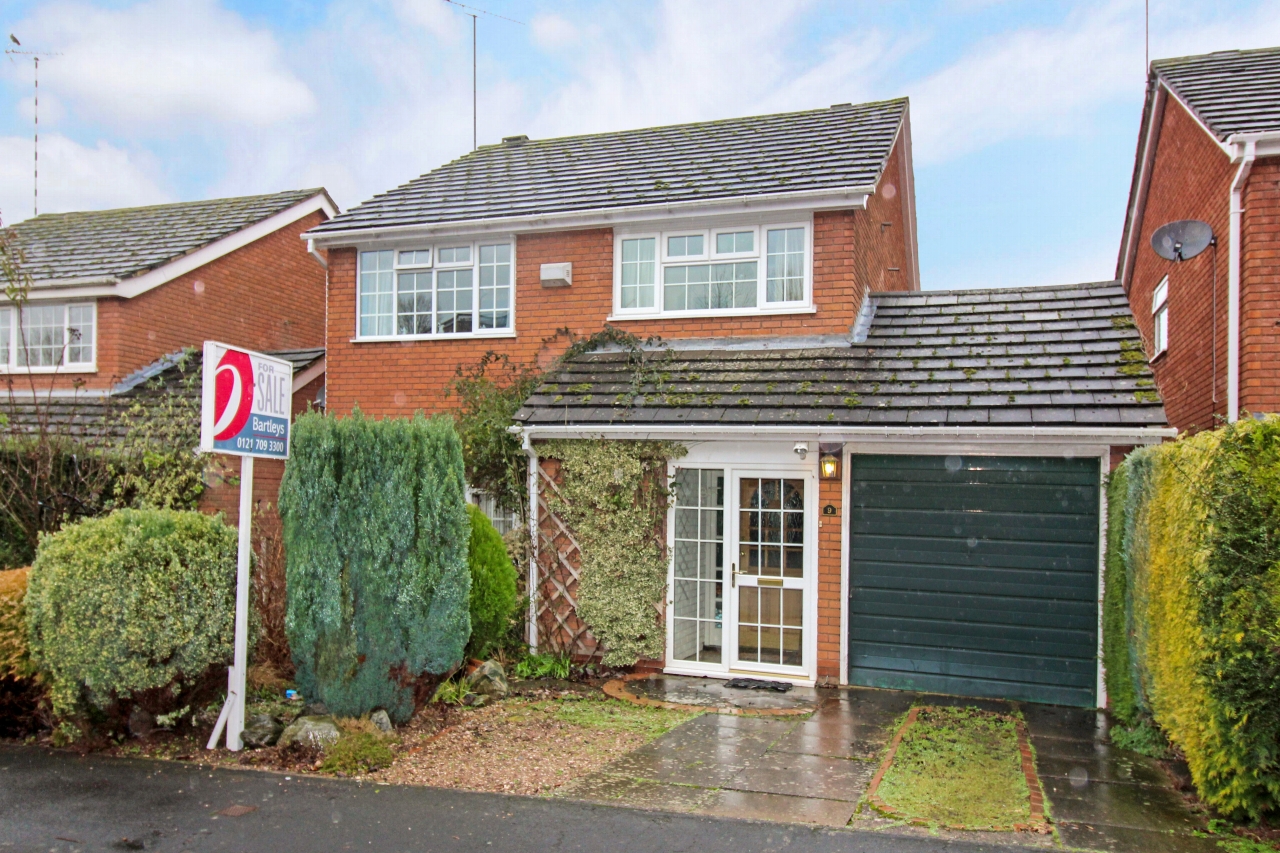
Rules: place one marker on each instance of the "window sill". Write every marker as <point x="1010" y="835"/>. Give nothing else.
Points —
<point x="48" y="371"/>
<point x="720" y="315"/>
<point x="1158" y="356"/>
<point x="461" y="336"/>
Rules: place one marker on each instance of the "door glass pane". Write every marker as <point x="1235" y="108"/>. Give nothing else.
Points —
<point x="698" y="594"/>
<point x="771" y="545"/>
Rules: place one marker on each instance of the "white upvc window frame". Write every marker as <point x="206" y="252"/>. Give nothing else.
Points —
<point x="12" y="338"/>
<point x="758" y="228"/>
<point x="434" y="267"/>
<point x="1160" y="317"/>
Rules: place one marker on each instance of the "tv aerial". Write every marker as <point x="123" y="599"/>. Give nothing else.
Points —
<point x="1182" y="240"/>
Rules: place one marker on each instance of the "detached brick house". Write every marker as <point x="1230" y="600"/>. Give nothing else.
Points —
<point x="1209" y="150"/>
<point x="116" y="295"/>
<point x="882" y="486"/>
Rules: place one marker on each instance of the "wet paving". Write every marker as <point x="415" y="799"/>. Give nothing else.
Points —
<point x="815" y="769"/>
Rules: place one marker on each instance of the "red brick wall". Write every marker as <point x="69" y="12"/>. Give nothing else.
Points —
<point x="830" y="572"/>
<point x="1191" y="179"/>
<point x="1260" y="292"/>
<point x="853" y="252"/>
<point x="268" y="295"/>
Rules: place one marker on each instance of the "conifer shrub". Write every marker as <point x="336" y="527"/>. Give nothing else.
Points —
<point x="15" y="662"/>
<point x="136" y="602"/>
<point x="493" y="586"/>
<point x="376" y="535"/>
<point x="1201" y="558"/>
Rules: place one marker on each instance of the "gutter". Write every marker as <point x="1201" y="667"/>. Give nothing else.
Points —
<point x="1095" y="435"/>
<point x="526" y="444"/>
<point x="838" y="197"/>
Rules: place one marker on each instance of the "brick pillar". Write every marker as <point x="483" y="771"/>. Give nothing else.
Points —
<point x="830" y="570"/>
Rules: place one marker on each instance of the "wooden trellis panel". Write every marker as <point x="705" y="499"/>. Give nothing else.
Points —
<point x="560" y="629"/>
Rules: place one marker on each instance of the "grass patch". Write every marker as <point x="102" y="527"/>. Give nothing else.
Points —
<point x="357" y="752"/>
<point x="610" y="714"/>
<point x="958" y="767"/>
<point x="1142" y="737"/>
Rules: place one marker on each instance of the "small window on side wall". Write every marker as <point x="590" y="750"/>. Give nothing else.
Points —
<point x="1160" y="317"/>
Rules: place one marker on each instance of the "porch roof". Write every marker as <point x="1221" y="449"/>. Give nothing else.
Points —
<point x="1033" y="356"/>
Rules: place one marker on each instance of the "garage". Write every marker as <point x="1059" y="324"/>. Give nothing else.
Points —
<point x="975" y="576"/>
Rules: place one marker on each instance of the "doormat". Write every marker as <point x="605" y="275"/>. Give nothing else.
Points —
<point x="617" y="689"/>
<point x="960" y="768"/>
<point x="758" y="684"/>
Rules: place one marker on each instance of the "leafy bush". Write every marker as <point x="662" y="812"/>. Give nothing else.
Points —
<point x="1122" y="696"/>
<point x="613" y="494"/>
<point x="357" y="752"/>
<point x="14" y="660"/>
<point x="376" y="534"/>
<point x="543" y="666"/>
<point x="493" y="586"/>
<point x="136" y="601"/>
<point x="1201" y="553"/>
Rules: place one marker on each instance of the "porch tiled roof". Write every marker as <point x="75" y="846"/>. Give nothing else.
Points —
<point x="1034" y="356"/>
<point x="845" y="146"/>
<point x="1232" y="91"/>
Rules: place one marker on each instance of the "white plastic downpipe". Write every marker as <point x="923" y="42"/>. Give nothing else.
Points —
<point x="1233" y="280"/>
<point x="527" y="445"/>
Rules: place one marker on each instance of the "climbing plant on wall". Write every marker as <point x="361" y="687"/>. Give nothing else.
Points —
<point x="613" y="494"/>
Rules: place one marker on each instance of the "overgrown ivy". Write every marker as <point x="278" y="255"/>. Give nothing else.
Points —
<point x="614" y="495"/>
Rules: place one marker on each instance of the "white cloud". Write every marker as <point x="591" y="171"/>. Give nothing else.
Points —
<point x="72" y="177"/>
<point x="552" y="32"/>
<point x="434" y="16"/>
<point x="165" y="62"/>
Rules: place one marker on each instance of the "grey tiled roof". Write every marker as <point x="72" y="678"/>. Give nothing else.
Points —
<point x="1234" y="91"/>
<point x="843" y="146"/>
<point x="117" y="244"/>
<point x="1035" y="356"/>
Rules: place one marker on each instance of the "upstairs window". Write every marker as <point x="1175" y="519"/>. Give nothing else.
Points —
<point x="739" y="270"/>
<point x="46" y="337"/>
<point x="1160" y="317"/>
<point x="434" y="291"/>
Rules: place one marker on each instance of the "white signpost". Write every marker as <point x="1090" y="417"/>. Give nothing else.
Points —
<point x="246" y="412"/>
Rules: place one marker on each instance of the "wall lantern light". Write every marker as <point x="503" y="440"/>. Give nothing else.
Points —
<point x="829" y="461"/>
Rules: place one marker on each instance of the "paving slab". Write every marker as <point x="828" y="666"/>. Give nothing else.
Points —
<point x="1055" y="721"/>
<point x="709" y="765"/>
<point x="864" y="743"/>
<point x="1123" y="839"/>
<point x="1131" y="806"/>
<point x="805" y="776"/>
<point x="1119" y="768"/>
<point x="757" y="805"/>
<point x="636" y="793"/>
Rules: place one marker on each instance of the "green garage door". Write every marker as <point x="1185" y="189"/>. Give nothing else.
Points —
<point x="975" y="576"/>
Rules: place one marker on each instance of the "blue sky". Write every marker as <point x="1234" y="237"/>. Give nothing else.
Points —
<point x="1024" y="114"/>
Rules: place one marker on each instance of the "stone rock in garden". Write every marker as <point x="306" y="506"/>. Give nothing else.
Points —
<point x="488" y="680"/>
<point x="315" y="709"/>
<point x="262" y="730"/>
<point x="141" y="723"/>
<point x="382" y="720"/>
<point x="475" y="700"/>
<point x="315" y="731"/>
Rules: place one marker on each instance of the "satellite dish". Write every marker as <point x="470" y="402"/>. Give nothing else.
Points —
<point x="1182" y="240"/>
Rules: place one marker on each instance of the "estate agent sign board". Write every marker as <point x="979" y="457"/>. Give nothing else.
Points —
<point x="246" y="411"/>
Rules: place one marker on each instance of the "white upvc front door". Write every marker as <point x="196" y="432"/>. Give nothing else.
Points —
<point x="741" y="589"/>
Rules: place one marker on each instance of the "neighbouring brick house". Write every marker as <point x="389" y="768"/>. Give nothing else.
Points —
<point x="115" y="294"/>
<point x="882" y="486"/>
<point x="1209" y="150"/>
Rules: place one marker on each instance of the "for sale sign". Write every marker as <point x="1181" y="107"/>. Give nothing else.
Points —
<point x="247" y="403"/>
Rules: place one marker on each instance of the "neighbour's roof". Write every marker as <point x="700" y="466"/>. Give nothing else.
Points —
<point x="1232" y="91"/>
<point x="1032" y="356"/>
<point x="118" y="244"/>
<point x="845" y="146"/>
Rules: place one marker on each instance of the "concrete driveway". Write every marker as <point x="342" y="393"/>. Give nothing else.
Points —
<point x="60" y="802"/>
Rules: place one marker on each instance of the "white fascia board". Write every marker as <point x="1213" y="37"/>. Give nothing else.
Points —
<point x="840" y="198"/>
<point x="987" y="436"/>
<point x="306" y="377"/>
<point x="1266" y="144"/>
<point x="131" y="287"/>
<point x="1147" y="161"/>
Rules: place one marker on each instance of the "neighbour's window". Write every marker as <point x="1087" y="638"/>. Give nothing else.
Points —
<point x="736" y="270"/>
<point x="1160" y="317"/>
<point x="504" y="520"/>
<point x="48" y="336"/>
<point x="436" y="290"/>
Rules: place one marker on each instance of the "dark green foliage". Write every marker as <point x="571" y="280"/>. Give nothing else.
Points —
<point x="543" y="666"/>
<point x="493" y="586"/>
<point x="1142" y="737"/>
<point x="1122" y="695"/>
<point x="376" y="534"/>
<point x="138" y="601"/>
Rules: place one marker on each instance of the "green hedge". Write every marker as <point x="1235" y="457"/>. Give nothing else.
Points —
<point x="15" y="662"/>
<point x="135" y="601"/>
<point x="1199" y="593"/>
<point x="493" y="586"/>
<point x="376" y="533"/>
